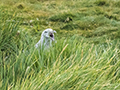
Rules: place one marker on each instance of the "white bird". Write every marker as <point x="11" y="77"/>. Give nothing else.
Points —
<point x="47" y="37"/>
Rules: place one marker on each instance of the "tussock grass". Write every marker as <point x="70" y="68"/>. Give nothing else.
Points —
<point x="68" y="65"/>
<point x="100" y="2"/>
<point x="86" y="55"/>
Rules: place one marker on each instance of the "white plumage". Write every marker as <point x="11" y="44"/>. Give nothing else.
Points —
<point x="47" y="37"/>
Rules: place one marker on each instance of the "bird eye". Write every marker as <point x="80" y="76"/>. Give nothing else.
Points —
<point x="45" y="31"/>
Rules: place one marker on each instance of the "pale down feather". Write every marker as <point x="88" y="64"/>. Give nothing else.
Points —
<point x="47" y="37"/>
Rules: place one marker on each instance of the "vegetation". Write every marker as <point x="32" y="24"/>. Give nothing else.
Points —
<point x="87" y="52"/>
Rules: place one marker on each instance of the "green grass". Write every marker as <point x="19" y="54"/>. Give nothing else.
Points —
<point x="86" y="55"/>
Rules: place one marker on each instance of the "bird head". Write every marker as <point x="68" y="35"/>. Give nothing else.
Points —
<point x="48" y="34"/>
<point x="47" y="37"/>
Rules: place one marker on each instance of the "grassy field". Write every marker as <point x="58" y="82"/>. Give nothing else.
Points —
<point x="85" y="57"/>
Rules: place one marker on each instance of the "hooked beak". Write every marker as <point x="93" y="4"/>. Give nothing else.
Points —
<point x="52" y="36"/>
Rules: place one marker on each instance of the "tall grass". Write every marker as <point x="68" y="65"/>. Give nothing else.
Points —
<point x="71" y="66"/>
<point x="72" y="63"/>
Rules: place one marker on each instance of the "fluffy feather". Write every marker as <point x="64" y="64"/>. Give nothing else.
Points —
<point x="47" y="37"/>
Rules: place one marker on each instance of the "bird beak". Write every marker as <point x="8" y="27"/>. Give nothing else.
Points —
<point x="52" y="36"/>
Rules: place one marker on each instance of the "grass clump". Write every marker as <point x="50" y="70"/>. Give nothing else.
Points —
<point x="116" y="3"/>
<point x="20" y="6"/>
<point x="62" y="17"/>
<point x="71" y="66"/>
<point x="9" y="31"/>
<point x="100" y="2"/>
